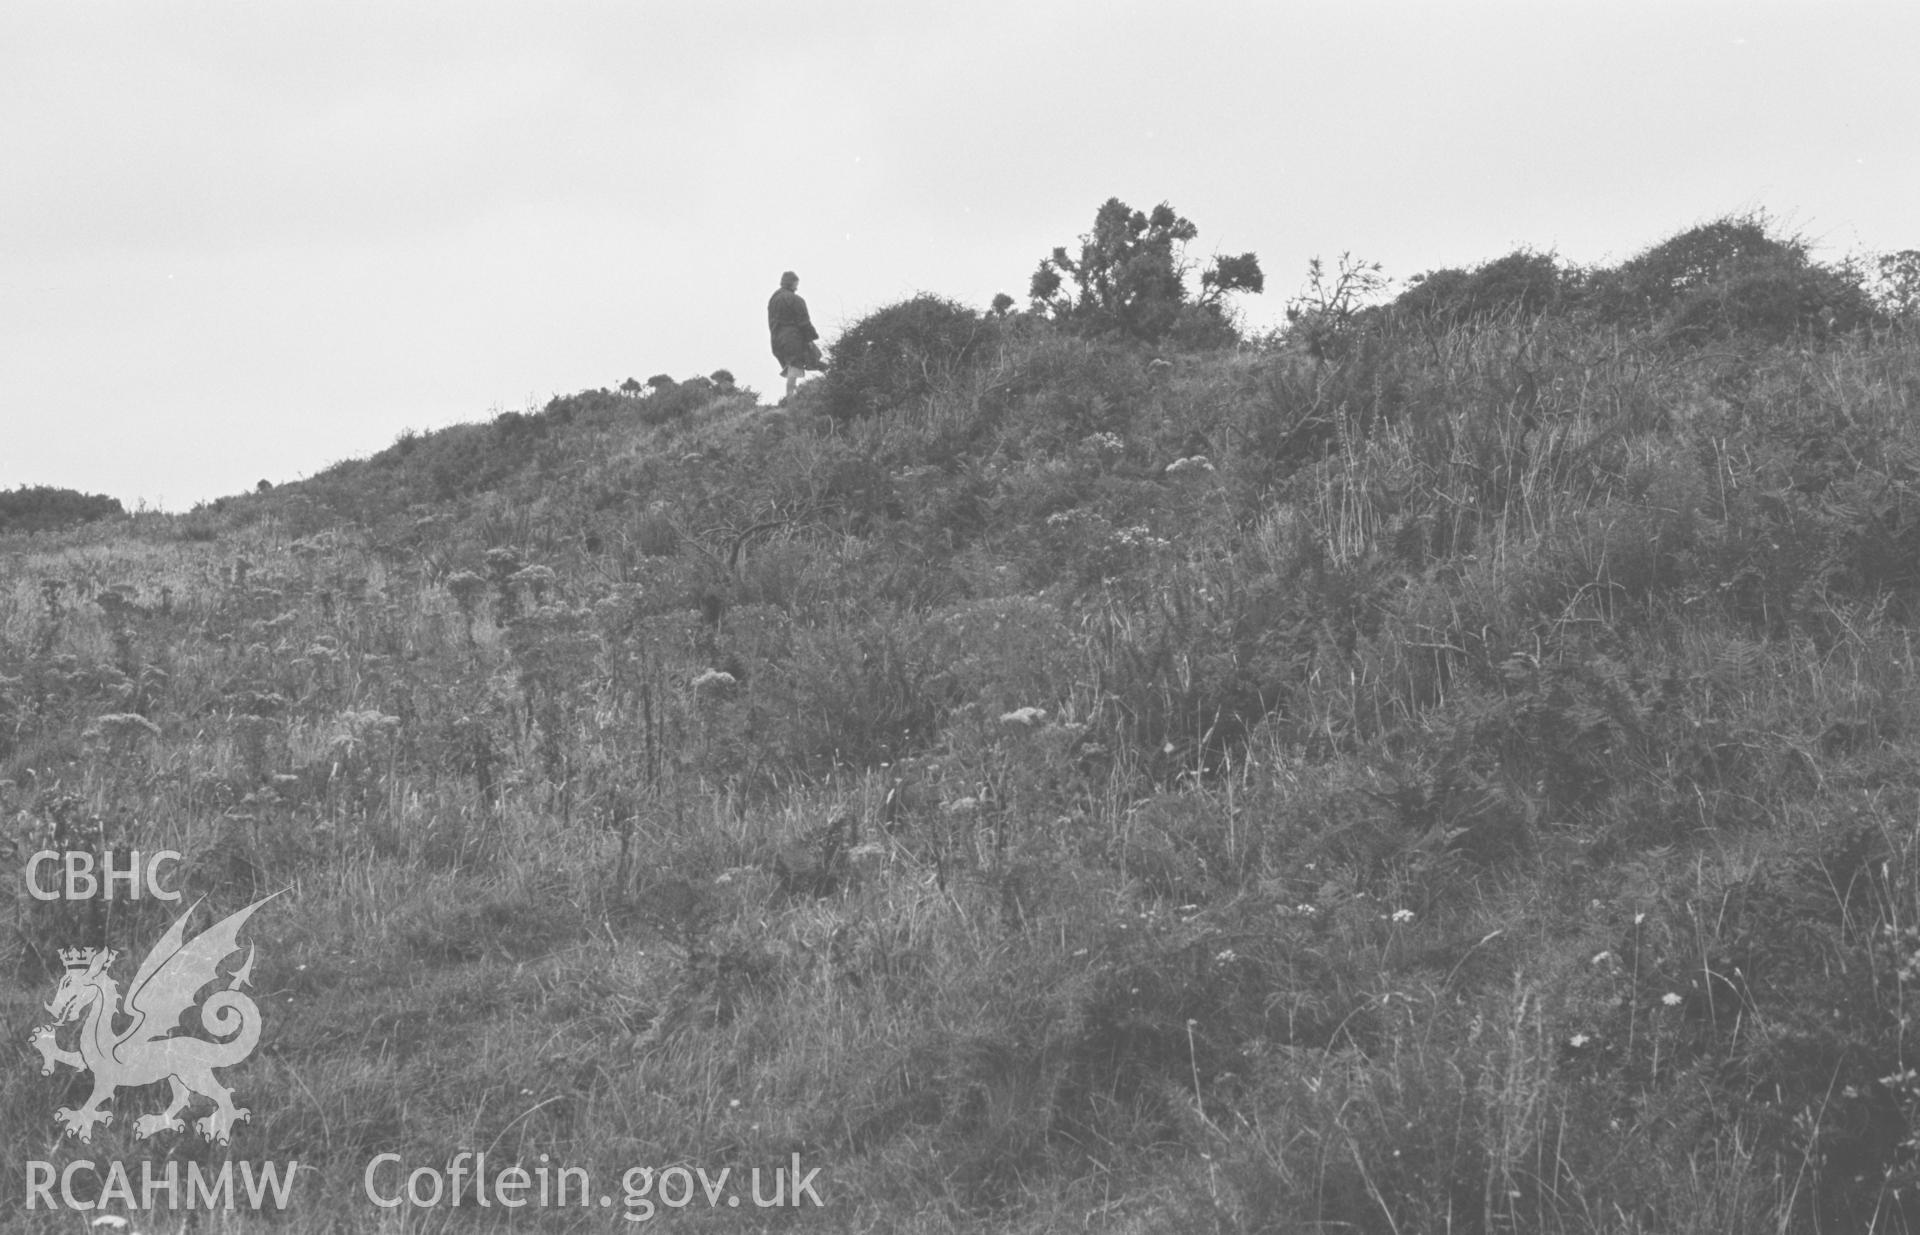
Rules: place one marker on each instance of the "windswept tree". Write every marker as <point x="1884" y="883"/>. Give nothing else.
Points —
<point x="1130" y="278"/>
<point x="1324" y="316"/>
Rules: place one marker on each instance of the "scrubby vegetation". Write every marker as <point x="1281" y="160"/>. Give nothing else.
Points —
<point x="901" y="354"/>
<point x="41" y="508"/>
<point x="1448" y="767"/>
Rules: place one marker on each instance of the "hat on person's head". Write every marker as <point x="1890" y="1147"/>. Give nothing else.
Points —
<point x="788" y="279"/>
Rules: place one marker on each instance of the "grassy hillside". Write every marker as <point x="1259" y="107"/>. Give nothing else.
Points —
<point x="1448" y="768"/>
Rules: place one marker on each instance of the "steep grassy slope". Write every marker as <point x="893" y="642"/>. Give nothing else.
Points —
<point x="1460" y="781"/>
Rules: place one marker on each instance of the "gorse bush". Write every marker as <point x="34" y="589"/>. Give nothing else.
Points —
<point x="1651" y="283"/>
<point x="41" y="508"/>
<point x="671" y="402"/>
<point x="1730" y="277"/>
<point x="1768" y="300"/>
<point x="1522" y="283"/>
<point x="900" y="354"/>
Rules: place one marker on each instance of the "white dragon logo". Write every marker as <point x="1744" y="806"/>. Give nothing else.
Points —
<point x="142" y="1053"/>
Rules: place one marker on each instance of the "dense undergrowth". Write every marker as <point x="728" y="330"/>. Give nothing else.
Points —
<point x="1455" y="777"/>
<point x="41" y="508"/>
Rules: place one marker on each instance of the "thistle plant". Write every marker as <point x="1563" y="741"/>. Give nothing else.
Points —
<point x="467" y="588"/>
<point x="503" y="564"/>
<point x="54" y="623"/>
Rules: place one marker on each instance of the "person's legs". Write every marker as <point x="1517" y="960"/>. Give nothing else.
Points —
<point x="793" y="376"/>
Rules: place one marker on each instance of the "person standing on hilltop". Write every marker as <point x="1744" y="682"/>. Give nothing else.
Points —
<point x="793" y="332"/>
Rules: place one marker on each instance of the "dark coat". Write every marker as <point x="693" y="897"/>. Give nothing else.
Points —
<point x="791" y="328"/>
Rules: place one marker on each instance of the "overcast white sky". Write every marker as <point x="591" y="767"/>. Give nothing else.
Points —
<point x="243" y="241"/>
